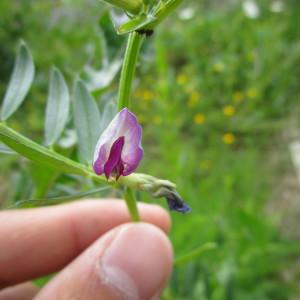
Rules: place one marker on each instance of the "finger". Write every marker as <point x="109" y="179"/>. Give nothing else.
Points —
<point x="133" y="261"/>
<point x="23" y="291"/>
<point x="41" y="241"/>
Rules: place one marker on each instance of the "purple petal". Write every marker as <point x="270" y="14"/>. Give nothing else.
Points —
<point x="98" y="164"/>
<point x="114" y="163"/>
<point x="124" y="125"/>
<point x="133" y="151"/>
<point x="132" y="160"/>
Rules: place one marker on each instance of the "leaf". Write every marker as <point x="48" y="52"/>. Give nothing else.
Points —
<point x="20" y="82"/>
<point x="57" y="110"/>
<point x="97" y="80"/>
<point x="109" y="111"/>
<point x="44" y="178"/>
<point x="6" y="150"/>
<point x="68" y="139"/>
<point x="87" y="120"/>
<point x="108" y="36"/>
<point x="58" y="200"/>
<point x="117" y="17"/>
<point x="39" y="154"/>
<point x="136" y="24"/>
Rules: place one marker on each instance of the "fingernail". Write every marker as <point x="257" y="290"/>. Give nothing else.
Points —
<point x="137" y="263"/>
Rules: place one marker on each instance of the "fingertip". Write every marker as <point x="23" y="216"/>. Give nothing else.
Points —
<point x="138" y="262"/>
<point x="132" y="261"/>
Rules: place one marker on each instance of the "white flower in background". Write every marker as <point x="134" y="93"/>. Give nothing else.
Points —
<point x="186" y="13"/>
<point x="277" y="6"/>
<point x="251" y="9"/>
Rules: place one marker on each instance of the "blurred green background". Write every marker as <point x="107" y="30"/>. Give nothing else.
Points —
<point x="217" y="91"/>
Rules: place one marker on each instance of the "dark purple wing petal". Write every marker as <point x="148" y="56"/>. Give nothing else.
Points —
<point x="114" y="162"/>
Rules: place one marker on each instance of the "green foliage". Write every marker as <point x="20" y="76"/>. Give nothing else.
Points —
<point x="86" y="119"/>
<point x="38" y="153"/>
<point x="136" y="24"/>
<point x="213" y="93"/>
<point x="20" y="82"/>
<point x="57" y="107"/>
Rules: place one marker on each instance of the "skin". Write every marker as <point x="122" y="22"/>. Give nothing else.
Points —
<point x="91" y="244"/>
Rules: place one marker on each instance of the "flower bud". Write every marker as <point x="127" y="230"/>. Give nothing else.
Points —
<point x="158" y="188"/>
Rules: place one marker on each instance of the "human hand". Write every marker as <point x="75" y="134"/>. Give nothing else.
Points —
<point x="98" y="254"/>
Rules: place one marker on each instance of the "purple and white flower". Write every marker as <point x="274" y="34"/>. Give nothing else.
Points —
<point x="119" y="151"/>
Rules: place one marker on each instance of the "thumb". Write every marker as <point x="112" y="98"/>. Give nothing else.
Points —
<point x="133" y="261"/>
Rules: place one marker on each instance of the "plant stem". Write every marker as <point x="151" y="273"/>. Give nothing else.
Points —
<point x="131" y="202"/>
<point x="129" y="65"/>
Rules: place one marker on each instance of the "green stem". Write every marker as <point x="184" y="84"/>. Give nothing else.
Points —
<point x="129" y="65"/>
<point x="131" y="202"/>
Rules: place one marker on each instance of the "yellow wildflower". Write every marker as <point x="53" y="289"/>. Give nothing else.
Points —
<point x="218" y="67"/>
<point x="157" y="120"/>
<point x="194" y="98"/>
<point x="238" y="96"/>
<point x="229" y="138"/>
<point x="181" y="79"/>
<point x="252" y="93"/>
<point x="199" y="119"/>
<point x="229" y="110"/>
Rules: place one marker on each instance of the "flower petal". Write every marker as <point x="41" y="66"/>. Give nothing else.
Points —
<point x="100" y="160"/>
<point x="121" y="125"/>
<point x="132" y="160"/>
<point x="114" y="162"/>
<point x="175" y="202"/>
<point x="124" y="125"/>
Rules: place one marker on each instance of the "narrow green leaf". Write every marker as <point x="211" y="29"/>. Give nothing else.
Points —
<point x="37" y="153"/>
<point x="98" y="80"/>
<point x="136" y="24"/>
<point x="87" y="120"/>
<point x="20" y="82"/>
<point x="58" y="200"/>
<point x="57" y="110"/>
<point x="109" y="111"/>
